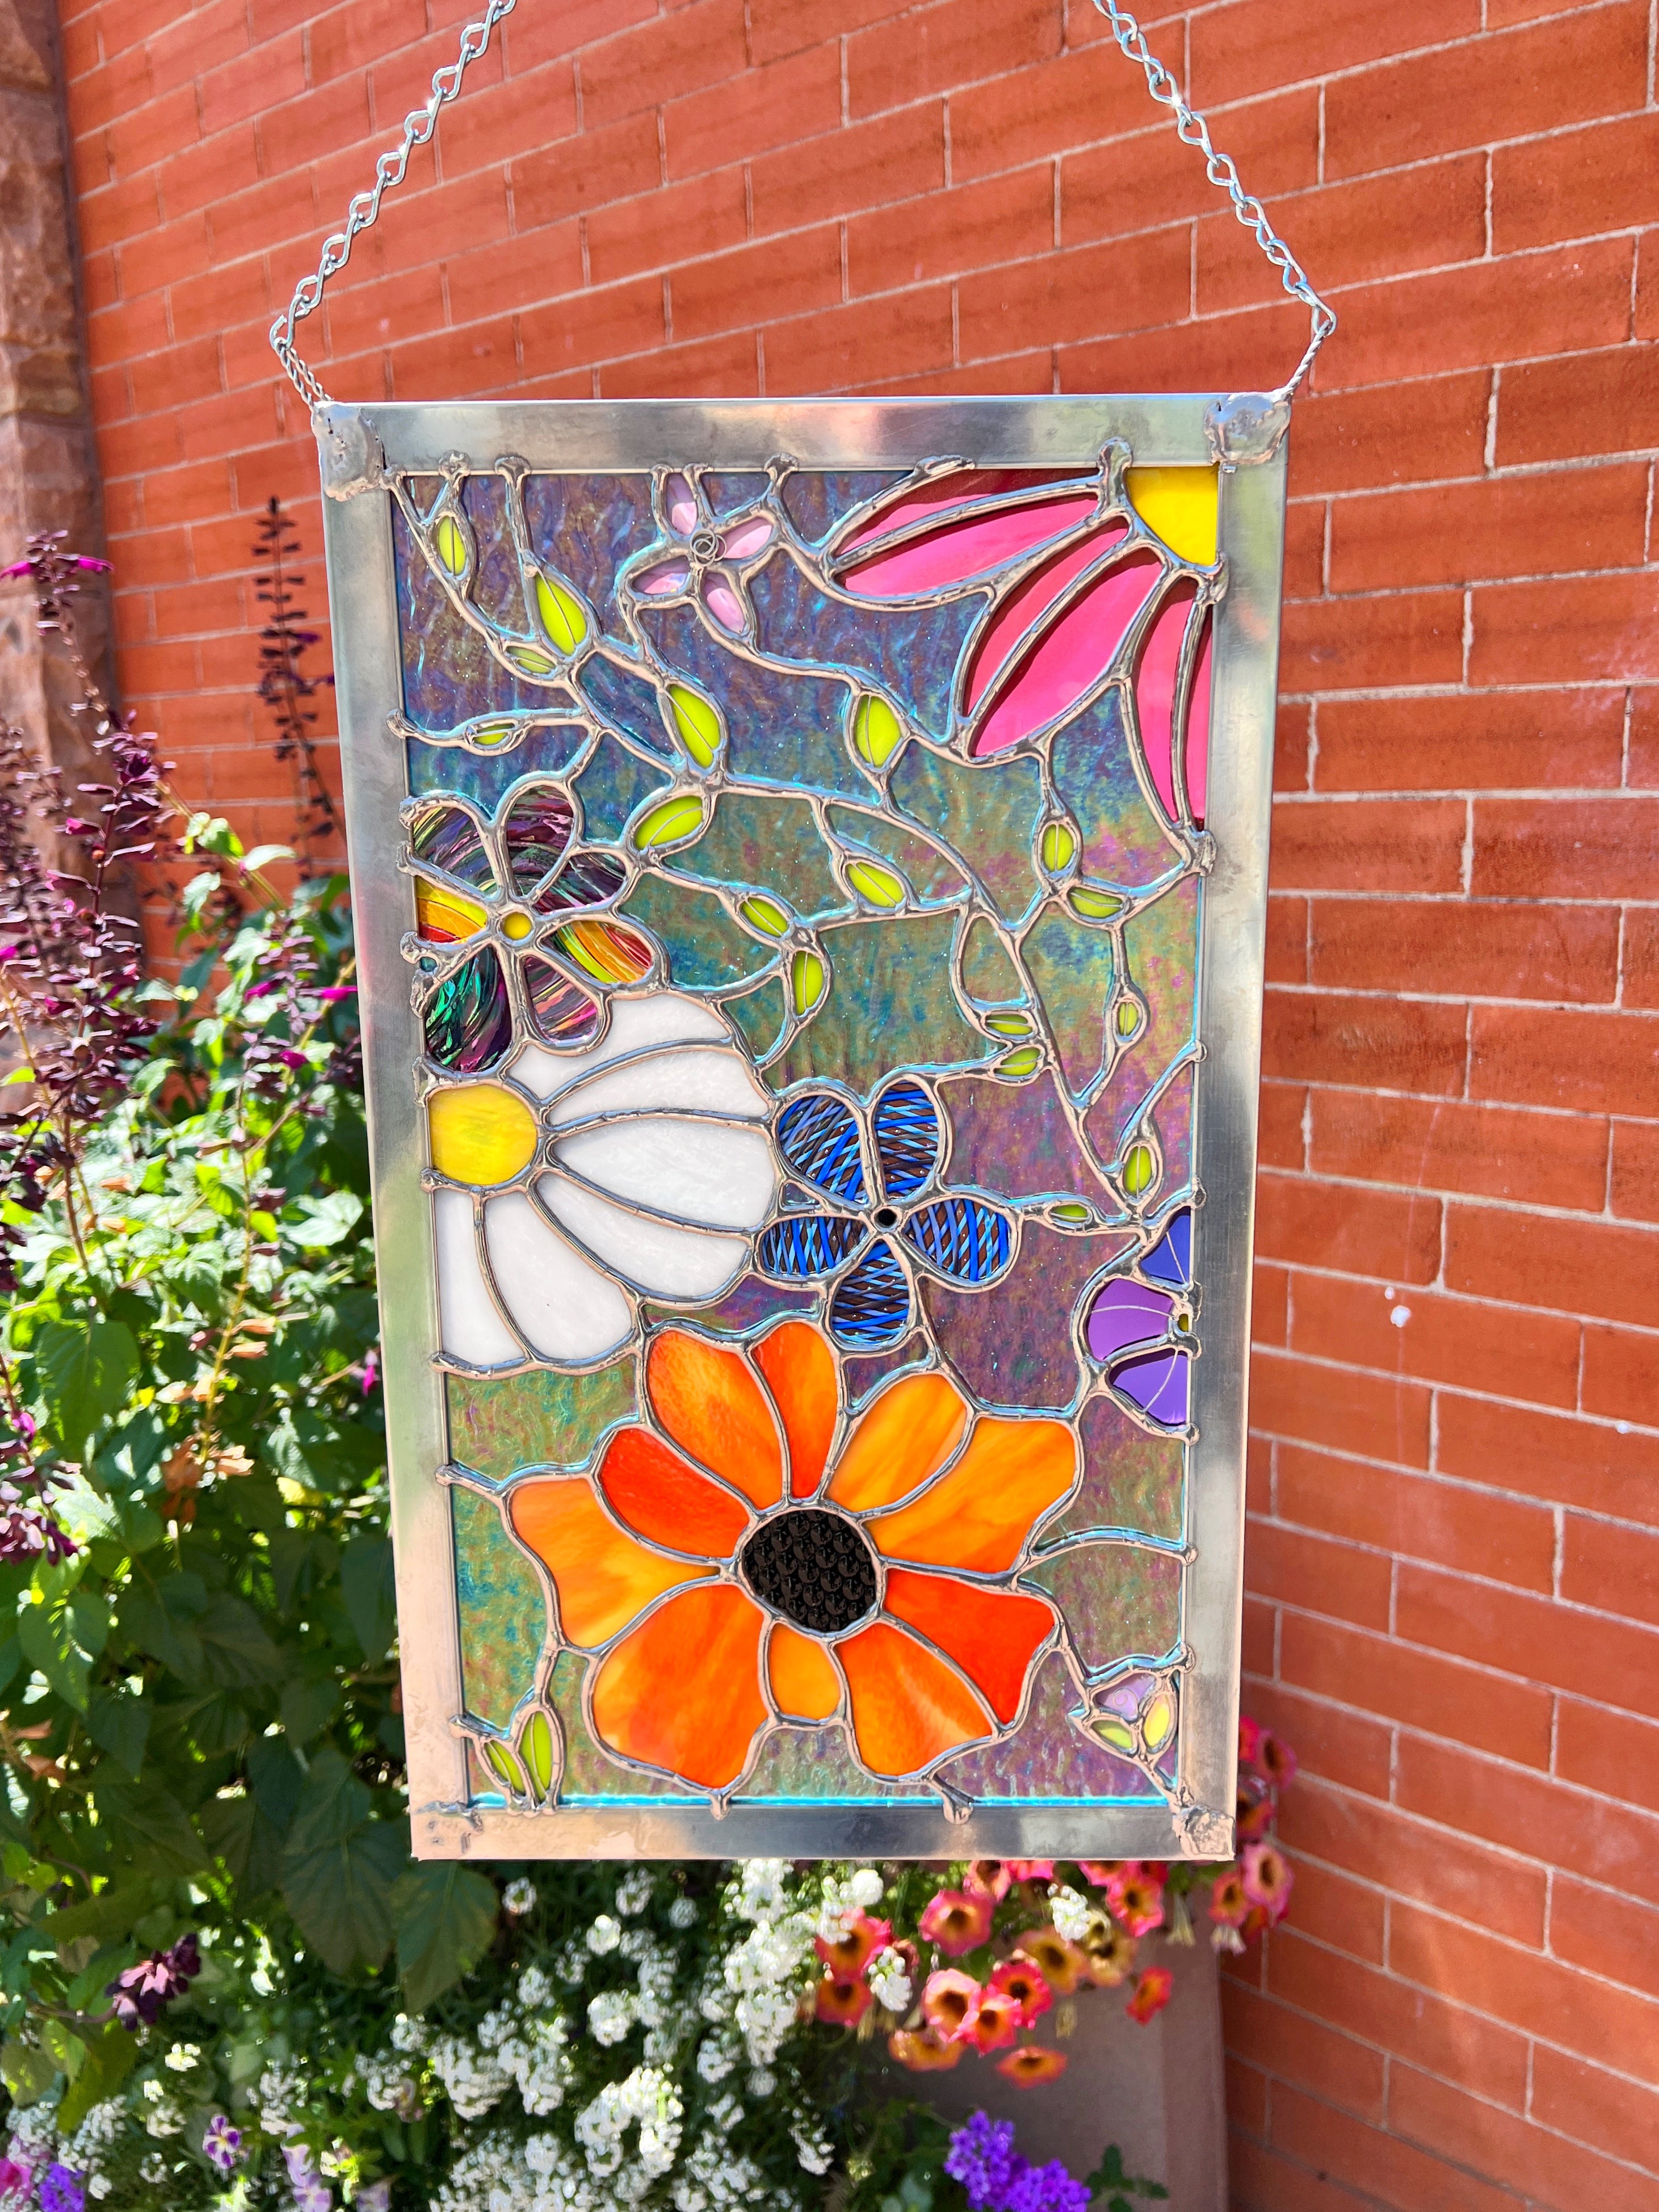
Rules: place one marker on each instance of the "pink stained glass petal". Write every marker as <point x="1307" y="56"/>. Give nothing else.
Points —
<point x="1155" y="690"/>
<point x="1197" y="728"/>
<point x="682" y="503"/>
<point x="1024" y="609"/>
<point x="723" y="602"/>
<point x="1126" y="1312"/>
<point x="952" y="490"/>
<point x="1072" y="657"/>
<point x="670" y="577"/>
<point x="958" y="551"/>
<point x="746" y="537"/>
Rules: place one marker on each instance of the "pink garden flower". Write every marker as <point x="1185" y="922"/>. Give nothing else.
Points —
<point x="1267" y="1878"/>
<point x="957" y="1922"/>
<point x="950" y="2003"/>
<point x="1153" y="1990"/>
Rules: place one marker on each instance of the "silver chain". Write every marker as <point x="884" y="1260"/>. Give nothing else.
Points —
<point x="1222" y="172"/>
<point x="419" y="126"/>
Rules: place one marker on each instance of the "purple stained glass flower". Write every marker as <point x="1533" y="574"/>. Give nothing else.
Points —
<point x="707" y="558"/>
<point x="221" y="2144"/>
<point x="1129" y="1324"/>
<point x="62" y="2189"/>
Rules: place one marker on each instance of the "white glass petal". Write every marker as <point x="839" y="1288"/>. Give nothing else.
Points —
<point x="473" y="1329"/>
<point x="688" y="1076"/>
<point x="565" y="1307"/>
<point x="669" y="1263"/>
<point x="660" y="1018"/>
<point x="703" y="1171"/>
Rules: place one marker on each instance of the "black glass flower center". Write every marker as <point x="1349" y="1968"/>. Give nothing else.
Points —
<point x="885" y="1217"/>
<point x="812" y="1567"/>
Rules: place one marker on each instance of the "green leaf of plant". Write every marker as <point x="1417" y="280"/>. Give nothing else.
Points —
<point x="445" y="1916"/>
<point x="88" y="1368"/>
<point x="110" y="2058"/>
<point x="156" y="1819"/>
<point x="307" y="1706"/>
<point x="323" y="1221"/>
<point x="48" y="1636"/>
<point x="109" y="1916"/>
<point x="340" y="1866"/>
<point x="120" y="1725"/>
<point x="366" y="1579"/>
<point x="236" y="1652"/>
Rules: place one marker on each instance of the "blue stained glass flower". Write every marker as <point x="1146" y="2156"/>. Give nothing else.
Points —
<point x="861" y="1164"/>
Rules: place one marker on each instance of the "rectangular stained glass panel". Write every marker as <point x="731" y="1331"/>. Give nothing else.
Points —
<point x="808" y="866"/>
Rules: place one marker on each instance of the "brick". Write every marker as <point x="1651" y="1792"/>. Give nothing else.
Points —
<point x="1471" y="742"/>
<point x="175" y="378"/>
<point x="1332" y="1579"/>
<point x="490" y="281"/>
<point x="1033" y="114"/>
<point x="1134" y="184"/>
<point x="1304" y="550"/>
<point x="1416" y="1861"/>
<point x="1611" y="1752"/>
<point x="1634" y="1185"/>
<point x="1576" y="185"/>
<point x="1431" y="428"/>
<point x="1639" y="957"/>
<point x="1344" y="1915"/>
<point x="1258" y="1629"/>
<point x="1263" y="2180"/>
<point x="662" y="59"/>
<point x="763" y="283"/>
<point x="1019" y="374"/>
<point x="1386" y="2169"/>
<point x="1566" y="847"/>
<point x="1591" y="1061"/>
<point x="1239" y="50"/>
<point x="1278" y="1130"/>
<point x="249" y="221"/>
<point x="1287" y="940"/>
<point x="530" y="40"/>
<point x="915" y="241"/>
<point x="153" y="133"/>
<point x="1611" y="1568"/>
<point x="856" y="344"/>
<point x="1489" y="1151"/>
<point x="1496" y="951"/>
<point x="1417" y="1517"/>
<point x="1535" y="1454"/>
<point x="1269" y="1311"/>
<point x="872" y="165"/>
<point x="1243" y="352"/>
<point x="1347" y="1413"/>
<point x="1644" y="739"/>
<point x="1353" y="1750"/>
<point x="206" y="37"/>
<point x="1292" y="744"/>
<point x="1608" y="2114"/>
<point x="1401" y="846"/>
<point x="1396" y="1044"/>
<point x="1620" y="1944"/>
<point x="468" y="361"/>
<point x="1422" y="1690"/>
<point x="117" y="212"/>
<point x="1507" y="527"/>
<point x="1604" y="628"/>
<point x="656" y="229"/>
<point x="783" y="26"/>
<point x="1076" y="295"/>
<point x="336" y="115"/>
<point x="1367" y="1231"/>
<point x="1605" y="402"/>
<point x="1392" y="639"/>
<point x="1569" y="1647"/>
<point x="176" y="495"/>
<point x="1520" y="82"/>
<point x="376" y="314"/>
<point x="1466" y="318"/>
<point x="1477" y="2136"/>
<point x="1303" y="2051"/>
<point x="1621" y="1374"/>
<point x="939" y="48"/>
<point x="1531" y="1813"/>
<point x="763" y="108"/>
<point x="712" y="369"/>
<point x="597" y="325"/>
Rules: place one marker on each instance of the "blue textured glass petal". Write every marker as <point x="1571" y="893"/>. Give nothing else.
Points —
<point x="468" y="1018"/>
<point x="1170" y="1259"/>
<point x="905" y="1126"/>
<point x="961" y="1238"/>
<point x="870" y="1306"/>
<point x="804" y="1245"/>
<point x="819" y="1137"/>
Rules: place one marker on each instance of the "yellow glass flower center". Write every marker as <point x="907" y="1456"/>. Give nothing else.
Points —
<point x="480" y="1132"/>
<point x="516" y="924"/>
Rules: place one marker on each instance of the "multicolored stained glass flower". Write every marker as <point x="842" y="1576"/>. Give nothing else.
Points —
<point x="573" y="1184"/>
<point x="878" y="1173"/>
<point x="1135" y="1328"/>
<point x="511" y="917"/>
<point x="707" y="561"/>
<point x="750" y="1557"/>
<point x="1091" y="585"/>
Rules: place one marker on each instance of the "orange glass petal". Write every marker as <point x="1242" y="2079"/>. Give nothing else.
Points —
<point x="801" y="1371"/>
<point x="993" y="1635"/>
<point x="909" y="1707"/>
<point x="660" y="1497"/>
<point x="804" y="1682"/>
<point x="709" y="1401"/>
<point x="603" y="1578"/>
<point x="907" y="1434"/>
<point x="443" y="916"/>
<point x="683" y="1691"/>
<point x="978" y="1516"/>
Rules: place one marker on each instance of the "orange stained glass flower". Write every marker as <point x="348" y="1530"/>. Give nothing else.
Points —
<point x="754" y="1556"/>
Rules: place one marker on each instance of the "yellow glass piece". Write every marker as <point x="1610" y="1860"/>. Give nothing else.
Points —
<point x="1127" y="1018"/>
<point x="878" y="732"/>
<point x="480" y="1132"/>
<point x="536" y="1747"/>
<point x="530" y="660"/>
<point x="602" y="950"/>
<point x="766" y="915"/>
<point x="449" y="542"/>
<point x="507" y="1769"/>
<point x="670" y="823"/>
<point x="1009" y="1024"/>
<point x="515" y="925"/>
<point x="1157" y="1720"/>
<point x="1183" y="505"/>
<point x="808" y="978"/>
<point x="1140" y="1170"/>
<point x="492" y="733"/>
<point x="696" y="723"/>
<point x="1093" y="905"/>
<point x="1118" y="1734"/>
<point x="877" y="886"/>
<point x="603" y="1578"/>
<point x="979" y="1514"/>
<point x="1016" y="1066"/>
<point x="907" y="1434"/>
<point x="1059" y="847"/>
<point x="561" y="614"/>
<point x="1072" y="1217"/>
<point x="804" y="1680"/>
<point x="444" y="917"/>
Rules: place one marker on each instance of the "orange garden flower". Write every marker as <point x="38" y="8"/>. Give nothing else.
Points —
<point x="995" y="2023"/>
<point x="950" y="2003"/>
<point x="753" y="1556"/>
<point x="1060" y="1963"/>
<point x="956" y="1920"/>
<point x="1109" y="1954"/>
<point x="1153" y="1992"/>
<point x="1136" y="1898"/>
<point x="1030" y="2065"/>
<point x="1021" y="1981"/>
<point x="849" y="1953"/>
<point x="922" y="2051"/>
<point x="842" y="1999"/>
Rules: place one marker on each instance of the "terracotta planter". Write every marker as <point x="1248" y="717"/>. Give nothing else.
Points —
<point x="1157" y="2091"/>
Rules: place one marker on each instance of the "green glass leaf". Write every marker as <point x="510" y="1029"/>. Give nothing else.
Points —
<point x="1118" y="1735"/>
<point x="445" y="1918"/>
<point x="1127" y="1020"/>
<point x="451" y="545"/>
<point x="1014" y="1066"/>
<point x="561" y="613"/>
<point x="1009" y="1025"/>
<point x="766" y="915"/>
<point x="1058" y="847"/>
<point x="878" y="732"/>
<point x="536" y="1748"/>
<point x="696" y="724"/>
<point x="1140" y="1170"/>
<point x="493" y="734"/>
<point x="507" y="1769"/>
<point x="1093" y="905"/>
<point x="529" y="659"/>
<point x="876" y="885"/>
<point x="670" y="823"/>
<point x="809" y="978"/>
<point x="1072" y="1217"/>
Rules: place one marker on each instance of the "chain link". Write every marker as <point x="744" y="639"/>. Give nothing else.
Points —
<point x="1193" y="130"/>
<point x="418" y="127"/>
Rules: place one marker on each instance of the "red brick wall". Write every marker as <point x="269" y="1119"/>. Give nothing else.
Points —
<point x="1453" y="1560"/>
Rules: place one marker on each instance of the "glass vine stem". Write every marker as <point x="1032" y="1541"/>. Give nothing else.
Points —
<point x="421" y="123"/>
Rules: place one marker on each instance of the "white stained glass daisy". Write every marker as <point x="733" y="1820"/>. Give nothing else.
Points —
<point x="571" y="1184"/>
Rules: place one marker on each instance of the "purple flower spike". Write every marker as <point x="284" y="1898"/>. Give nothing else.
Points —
<point x="62" y="2189"/>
